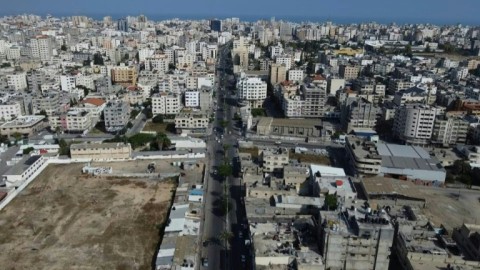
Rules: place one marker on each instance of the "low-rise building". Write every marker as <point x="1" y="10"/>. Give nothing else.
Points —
<point x="23" y="168"/>
<point x="273" y="159"/>
<point x="101" y="151"/>
<point x="191" y="122"/>
<point x="25" y="125"/>
<point x="401" y="161"/>
<point x="268" y="126"/>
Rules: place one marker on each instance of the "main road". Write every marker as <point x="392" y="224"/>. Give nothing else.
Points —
<point x="223" y="242"/>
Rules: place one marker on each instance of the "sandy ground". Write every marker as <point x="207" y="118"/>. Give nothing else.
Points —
<point x="452" y="207"/>
<point x="65" y="220"/>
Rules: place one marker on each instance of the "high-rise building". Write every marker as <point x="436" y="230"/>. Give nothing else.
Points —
<point x="358" y="113"/>
<point x="122" y="25"/>
<point x="192" y="98"/>
<point x="164" y="103"/>
<point x="42" y="47"/>
<point x="278" y="73"/>
<point x="216" y="25"/>
<point x="116" y="115"/>
<point x="349" y="72"/>
<point x="449" y="130"/>
<point x="252" y="90"/>
<point x="413" y="123"/>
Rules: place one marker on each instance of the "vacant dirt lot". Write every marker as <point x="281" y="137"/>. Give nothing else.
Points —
<point x="65" y="220"/>
<point x="452" y="207"/>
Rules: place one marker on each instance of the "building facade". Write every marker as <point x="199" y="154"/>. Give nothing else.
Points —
<point x="166" y="103"/>
<point x="116" y="115"/>
<point x="413" y="123"/>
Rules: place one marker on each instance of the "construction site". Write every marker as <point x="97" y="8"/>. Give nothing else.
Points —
<point x="68" y="219"/>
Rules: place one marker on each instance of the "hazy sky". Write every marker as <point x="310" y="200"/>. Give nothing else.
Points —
<point x="436" y="11"/>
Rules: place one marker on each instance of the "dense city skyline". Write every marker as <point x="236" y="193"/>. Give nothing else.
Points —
<point x="438" y="12"/>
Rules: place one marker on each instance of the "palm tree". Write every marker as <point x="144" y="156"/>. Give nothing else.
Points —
<point x="226" y="236"/>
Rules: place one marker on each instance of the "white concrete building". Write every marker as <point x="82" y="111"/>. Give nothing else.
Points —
<point x="42" y="47"/>
<point x="192" y="98"/>
<point x="166" y="103"/>
<point x="413" y="123"/>
<point x="252" y="90"/>
<point x="13" y="53"/>
<point x="17" y="81"/>
<point x="157" y="62"/>
<point x="10" y="110"/>
<point x="295" y="75"/>
<point x="286" y="60"/>
<point x="67" y="82"/>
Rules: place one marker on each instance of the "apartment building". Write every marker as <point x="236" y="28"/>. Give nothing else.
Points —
<point x="252" y="90"/>
<point x="67" y="82"/>
<point x="124" y="75"/>
<point x="73" y="121"/>
<point x="157" y="62"/>
<point x="349" y="72"/>
<point x="10" y="110"/>
<point x="101" y="151"/>
<point x="358" y="113"/>
<point x="166" y="103"/>
<point x="278" y="73"/>
<point x="192" y="98"/>
<point x="284" y="60"/>
<point x="273" y="159"/>
<point x="363" y="156"/>
<point x="295" y="75"/>
<point x="116" y="115"/>
<point x="17" y="81"/>
<point x="51" y="103"/>
<point x="396" y="85"/>
<point x="356" y="240"/>
<point x="35" y="79"/>
<point x="413" y="123"/>
<point x="315" y="98"/>
<point x="449" y="130"/>
<point x="42" y="47"/>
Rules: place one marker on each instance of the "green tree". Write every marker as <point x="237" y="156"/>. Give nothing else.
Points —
<point x="158" y="119"/>
<point x="17" y="136"/>
<point x="408" y="50"/>
<point x="63" y="47"/>
<point x="427" y="49"/>
<point x="27" y="151"/>
<point x="98" y="59"/>
<point x="226" y="236"/>
<point x="162" y="141"/>
<point x="460" y="167"/>
<point x="224" y="123"/>
<point x="225" y="170"/>
<point x="129" y="125"/>
<point x="331" y="202"/>
<point x="148" y="113"/>
<point x="64" y="147"/>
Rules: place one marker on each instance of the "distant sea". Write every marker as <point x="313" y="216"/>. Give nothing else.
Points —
<point x="296" y="19"/>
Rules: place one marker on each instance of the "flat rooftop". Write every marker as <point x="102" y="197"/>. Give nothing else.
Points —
<point x="405" y="156"/>
<point x="379" y="186"/>
<point x="24" y="121"/>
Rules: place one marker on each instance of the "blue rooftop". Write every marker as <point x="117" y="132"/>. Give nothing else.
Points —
<point x="198" y="192"/>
